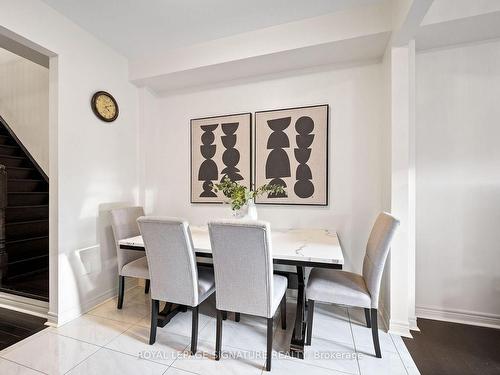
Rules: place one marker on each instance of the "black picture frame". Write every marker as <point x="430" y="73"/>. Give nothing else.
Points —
<point x="327" y="156"/>
<point x="250" y="151"/>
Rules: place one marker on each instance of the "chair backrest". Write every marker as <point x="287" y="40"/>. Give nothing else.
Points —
<point x="243" y="266"/>
<point x="377" y="249"/>
<point x="124" y="224"/>
<point x="171" y="259"/>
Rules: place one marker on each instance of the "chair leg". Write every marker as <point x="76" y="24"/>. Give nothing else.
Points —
<point x="224" y="315"/>
<point x="194" y="331"/>
<point x="283" y="312"/>
<point x="310" y="315"/>
<point x="376" y="343"/>
<point x="121" y="291"/>
<point x="237" y="317"/>
<point x="155" y="306"/>
<point x="269" y="343"/>
<point x="218" y="335"/>
<point x="368" y="320"/>
<point x="146" y="287"/>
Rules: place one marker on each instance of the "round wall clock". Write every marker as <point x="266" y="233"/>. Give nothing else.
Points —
<point x="104" y="106"/>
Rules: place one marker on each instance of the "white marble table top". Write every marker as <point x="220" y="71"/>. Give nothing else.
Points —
<point x="299" y="245"/>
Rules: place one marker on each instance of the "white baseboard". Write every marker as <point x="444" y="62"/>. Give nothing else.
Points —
<point x="412" y="321"/>
<point x="68" y="315"/>
<point x="51" y="319"/>
<point x="459" y="316"/>
<point x="399" y="328"/>
<point x="24" y="305"/>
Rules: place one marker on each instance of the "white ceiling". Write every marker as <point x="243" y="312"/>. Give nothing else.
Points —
<point x="144" y="28"/>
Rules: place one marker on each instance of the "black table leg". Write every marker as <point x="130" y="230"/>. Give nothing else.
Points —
<point x="298" y="337"/>
<point x="169" y="311"/>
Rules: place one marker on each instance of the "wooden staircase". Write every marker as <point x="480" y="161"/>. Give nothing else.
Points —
<point x="26" y="220"/>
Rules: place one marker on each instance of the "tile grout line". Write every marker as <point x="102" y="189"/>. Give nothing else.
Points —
<point x="243" y="349"/>
<point x="83" y="360"/>
<point x="111" y="349"/>
<point x="23" y="342"/>
<point x="180" y="369"/>
<point x="68" y="337"/>
<point x="114" y="320"/>
<point x="354" y="341"/>
<point x="203" y="327"/>
<point x="207" y="341"/>
<point x="118" y="351"/>
<point x="136" y="357"/>
<point x="88" y="342"/>
<point x="399" y="354"/>
<point x="88" y="314"/>
<point x="72" y="338"/>
<point x="291" y="359"/>
<point x="132" y="325"/>
<point x="31" y="368"/>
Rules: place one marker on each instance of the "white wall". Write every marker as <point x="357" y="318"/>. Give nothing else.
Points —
<point x="399" y="62"/>
<point x="356" y="98"/>
<point x="24" y="104"/>
<point x="91" y="162"/>
<point x="447" y="10"/>
<point x="458" y="183"/>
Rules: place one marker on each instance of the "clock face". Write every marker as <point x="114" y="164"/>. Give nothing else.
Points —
<point x="104" y="106"/>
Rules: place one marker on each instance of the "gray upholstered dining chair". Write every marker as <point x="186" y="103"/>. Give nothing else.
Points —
<point x="243" y="265"/>
<point x="131" y="263"/>
<point x="347" y="288"/>
<point x="175" y="277"/>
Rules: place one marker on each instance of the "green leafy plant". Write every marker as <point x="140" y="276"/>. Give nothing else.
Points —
<point x="240" y="195"/>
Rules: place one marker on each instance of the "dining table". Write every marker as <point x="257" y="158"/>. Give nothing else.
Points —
<point x="299" y="248"/>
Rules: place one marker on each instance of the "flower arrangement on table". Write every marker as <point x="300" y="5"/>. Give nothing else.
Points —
<point x="240" y="195"/>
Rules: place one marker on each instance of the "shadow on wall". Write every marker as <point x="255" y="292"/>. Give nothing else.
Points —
<point x="94" y="269"/>
<point x="107" y="244"/>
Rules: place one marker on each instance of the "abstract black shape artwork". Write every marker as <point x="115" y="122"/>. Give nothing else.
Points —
<point x="278" y="163"/>
<point x="220" y="147"/>
<point x="304" y="188"/>
<point x="302" y="168"/>
<point x="208" y="171"/>
<point x="231" y="155"/>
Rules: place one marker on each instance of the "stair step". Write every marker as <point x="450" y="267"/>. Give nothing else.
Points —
<point x="15" y="161"/>
<point x="36" y="257"/>
<point x="21" y="173"/>
<point x="27" y="199"/>
<point x="26" y="229"/>
<point x="26" y="213"/>
<point x="27" y="266"/>
<point x="27" y="185"/>
<point x="11" y="150"/>
<point x="26" y="221"/>
<point x="6" y="140"/>
<point x="27" y="248"/>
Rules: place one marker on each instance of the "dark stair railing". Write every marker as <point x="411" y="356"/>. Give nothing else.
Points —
<point x="24" y="259"/>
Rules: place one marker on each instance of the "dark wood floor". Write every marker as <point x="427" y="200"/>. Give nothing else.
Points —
<point x="450" y="348"/>
<point x="15" y="326"/>
<point x="35" y="285"/>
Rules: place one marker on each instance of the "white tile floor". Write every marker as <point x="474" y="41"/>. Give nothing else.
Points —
<point x="109" y="341"/>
